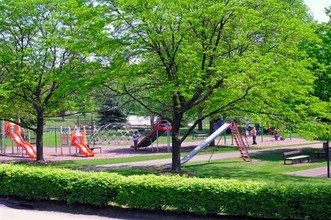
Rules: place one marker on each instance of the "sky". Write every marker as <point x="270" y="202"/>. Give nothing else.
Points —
<point x="317" y="9"/>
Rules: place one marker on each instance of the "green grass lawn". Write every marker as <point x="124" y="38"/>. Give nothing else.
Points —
<point x="267" y="167"/>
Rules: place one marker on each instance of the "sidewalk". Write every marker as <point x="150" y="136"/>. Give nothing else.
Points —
<point x="315" y="172"/>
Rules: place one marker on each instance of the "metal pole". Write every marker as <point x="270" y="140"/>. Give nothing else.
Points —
<point x="290" y="133"/>
<point x="328" y="157"/>
<point x="157" y="140"/>
<point x="262" y="132"/>
<point x="55" y="137"/>
<point x="328" y="154"/>
<point x="224" y="137"/>
<point x="2" y="138"/>
<point x="168" y="137"/>
<point x="69" y="140"/>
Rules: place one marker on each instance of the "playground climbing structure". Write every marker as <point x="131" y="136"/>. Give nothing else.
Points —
<point x="113" y="133"/>
<point x="242" y="147"/>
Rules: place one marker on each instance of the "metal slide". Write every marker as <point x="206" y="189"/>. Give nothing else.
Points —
<point x="205" y="143"/>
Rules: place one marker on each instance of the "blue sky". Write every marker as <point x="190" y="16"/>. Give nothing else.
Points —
<point x="317" y="9"/>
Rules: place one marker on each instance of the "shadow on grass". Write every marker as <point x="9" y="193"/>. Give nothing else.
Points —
<point x="265" y="171"/>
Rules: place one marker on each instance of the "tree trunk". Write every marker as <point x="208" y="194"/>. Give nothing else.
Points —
<point x="200" y="126"/>
<point x="39" y="136"/>
<point x="176" y="143"/>
<point x="211" y="130"/>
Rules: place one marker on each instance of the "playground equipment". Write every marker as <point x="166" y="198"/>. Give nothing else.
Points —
<point x="14" y="132"/>
<point x="242" y="147"/>
<point x="157" y="130"/>
<point x="78" y="140"/>
<point x="118" y="133"/>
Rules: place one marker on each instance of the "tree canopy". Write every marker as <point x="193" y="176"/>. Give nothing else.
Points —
<point x="177" y="59"/>
<point x="319" y="52"/>
<point x="206" y="58"/>
<point x="45" y="58"/>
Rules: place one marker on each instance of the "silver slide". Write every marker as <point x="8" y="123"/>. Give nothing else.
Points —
<point x="205" y="143"/>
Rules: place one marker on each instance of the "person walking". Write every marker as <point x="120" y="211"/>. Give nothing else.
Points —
<point x="253" y="133"/>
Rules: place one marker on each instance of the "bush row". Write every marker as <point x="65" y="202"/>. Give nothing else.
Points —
<point x="201" y="196"/>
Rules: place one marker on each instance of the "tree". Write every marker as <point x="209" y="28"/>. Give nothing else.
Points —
<point x="110" y="113"/>
<point x="208" y="57"/>
<point x="319" y="52"/>
<point x="45" y="58"/>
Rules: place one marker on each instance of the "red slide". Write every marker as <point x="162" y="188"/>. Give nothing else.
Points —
<point x="83" y="148"/>
<point x="17" y="138"/>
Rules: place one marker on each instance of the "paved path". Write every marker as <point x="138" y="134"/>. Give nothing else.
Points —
<point x="10" y="211"/>
<point x="52" y="210"/>
<point x="315" y="172"/>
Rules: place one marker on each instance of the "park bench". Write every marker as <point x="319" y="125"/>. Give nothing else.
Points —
<point x="295" y="156"/>
<point x="197" y="135"/>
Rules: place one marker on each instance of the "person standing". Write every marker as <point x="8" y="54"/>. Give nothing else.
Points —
<point x="253" y="133"/>
<point x="276" y="134"/>
<point x="135" y="138"/>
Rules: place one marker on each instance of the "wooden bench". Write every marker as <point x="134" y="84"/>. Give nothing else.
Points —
<point x="198" y="135"/>
<point x="295" y="156"/>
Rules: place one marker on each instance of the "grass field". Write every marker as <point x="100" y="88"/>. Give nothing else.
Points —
<point x="265" y="167"/>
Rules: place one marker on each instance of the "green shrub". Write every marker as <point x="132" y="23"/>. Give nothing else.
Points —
<point x="181" y="194"/>
<point x="63" y="185"/>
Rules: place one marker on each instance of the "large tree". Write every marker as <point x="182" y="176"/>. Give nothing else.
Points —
<point x="319" y="52"/>
<point x="45" y="58"/>
<point x="206" y="57"/>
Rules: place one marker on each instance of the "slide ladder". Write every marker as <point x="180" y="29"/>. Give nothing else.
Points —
<point x="240" y="142"/>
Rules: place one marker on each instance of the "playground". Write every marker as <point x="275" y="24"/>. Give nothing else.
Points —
<point x="115" y="150"/>
<point x="110" y="143"/>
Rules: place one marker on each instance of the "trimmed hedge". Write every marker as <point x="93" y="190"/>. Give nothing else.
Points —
<point x="201" y="196"/>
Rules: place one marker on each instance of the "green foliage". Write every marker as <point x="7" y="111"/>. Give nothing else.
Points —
<point x="110" y="113"/>
<point x="181" y="194"/>
<point x="320" y="57"/>
<point x="46" y="59"/>
<point x="63" y="185"/>
<point x="48" y="65"/>
<point x="200" y="59"/>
